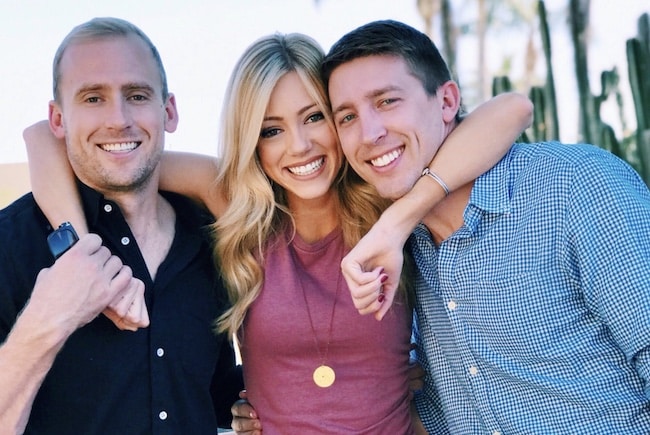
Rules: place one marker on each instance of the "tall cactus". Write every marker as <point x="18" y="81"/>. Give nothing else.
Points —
<point x="502" y="84"/>
<point x="579" y="19"/>
<point x="551" y="124"/>
<point x="592" y="128"/>
<point x="638" y="58"/>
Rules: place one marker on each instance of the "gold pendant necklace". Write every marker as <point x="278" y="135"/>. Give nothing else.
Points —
<point x="324" y="375"/>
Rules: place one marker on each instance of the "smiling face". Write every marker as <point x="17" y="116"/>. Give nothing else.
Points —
<point x="297" y="147"/>
<point x="389" y="127"/>
<point x="111" y="112"/>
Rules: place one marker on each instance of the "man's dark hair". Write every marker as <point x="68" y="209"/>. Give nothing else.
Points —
<point x="391" y="38"/>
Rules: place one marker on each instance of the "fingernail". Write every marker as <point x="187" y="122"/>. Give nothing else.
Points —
<point x="381" y="298"/>
<point x="384" y="278"/>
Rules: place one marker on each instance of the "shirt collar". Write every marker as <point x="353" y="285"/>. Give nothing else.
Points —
<point x="491" y="191"/>
<point x="93" y="202"/>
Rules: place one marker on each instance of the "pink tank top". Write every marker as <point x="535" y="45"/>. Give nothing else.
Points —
<point x="370" y="358"/>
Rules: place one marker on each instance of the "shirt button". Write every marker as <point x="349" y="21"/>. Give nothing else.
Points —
<point x="108" y="208"/>
<point x="451" y="305"/>
<point x="125" y="241"/>
<point x="162" y="415"/>
<point x="160" y="351"/>
<point x="473" y="371"/>
<point x="496" y="432"/>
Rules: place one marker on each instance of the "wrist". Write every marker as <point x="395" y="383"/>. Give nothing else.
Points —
<point x="432" y="175"/>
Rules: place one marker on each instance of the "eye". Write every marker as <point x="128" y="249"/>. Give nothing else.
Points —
<point x="138" y="97"/>
<point x="387" y="101"/>
<point x="315" y="117"/>
<point x="347" y="118"/>
<point x="92" y="100"/>
<point x="270" y="132"/>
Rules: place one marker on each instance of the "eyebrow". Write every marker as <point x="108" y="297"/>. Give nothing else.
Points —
<point x="127" y="87"/>
<point x="135" y="86"/>
<point x="300" y="112"/>
<point x="370" y="95"/>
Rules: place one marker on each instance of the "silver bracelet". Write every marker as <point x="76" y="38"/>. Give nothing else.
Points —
<point x="437" y="179"/>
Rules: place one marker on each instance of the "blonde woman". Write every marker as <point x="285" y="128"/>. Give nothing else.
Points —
<point x="288" y="208"/>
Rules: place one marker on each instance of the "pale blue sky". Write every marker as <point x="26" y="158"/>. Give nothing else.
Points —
<point x="201" y="40"/>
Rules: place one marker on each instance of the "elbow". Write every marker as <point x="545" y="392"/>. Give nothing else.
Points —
<point x="32" y="134"/>
<point x="522" y="108"/>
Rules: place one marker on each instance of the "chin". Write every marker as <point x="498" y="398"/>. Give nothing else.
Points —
<point x="391" y="193"/>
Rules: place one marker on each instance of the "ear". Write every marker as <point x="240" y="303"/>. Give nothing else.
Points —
<point x="450" y="98"/>
<point x="55" y="118"/>
<point x="171" y="114"/>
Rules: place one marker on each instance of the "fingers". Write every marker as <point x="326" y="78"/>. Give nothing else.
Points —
<point x="372" y="292"/>
<point x="390" y="288"/>
<point x="245" y="419"/>
<point x="86" y="281"/>
<point x="122" y="284"/>
<point x="138" y="313"/>
<point x="128" y="311"/>
<point x="364" y="286"/>
<point x="242" y="408"/>
<point x="90" y="244"/>
<point x="127" y="308"/>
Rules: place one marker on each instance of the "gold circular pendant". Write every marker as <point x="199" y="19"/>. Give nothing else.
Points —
<point x="324" y="376"/>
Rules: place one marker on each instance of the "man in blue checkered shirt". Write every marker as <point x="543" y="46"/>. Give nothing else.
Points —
<point x="532" y="283"/>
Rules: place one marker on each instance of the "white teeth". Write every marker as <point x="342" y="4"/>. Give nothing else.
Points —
<point x="123" y="146"/>
<point x="307" y="169"/>
<point x="386" y="158"/>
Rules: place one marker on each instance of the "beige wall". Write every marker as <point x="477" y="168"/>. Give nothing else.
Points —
<point x="14" y="182"/>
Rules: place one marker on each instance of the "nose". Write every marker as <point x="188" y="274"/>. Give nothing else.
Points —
<point x="371" y="127"/>
<point x="299" y="142"/>
<point x="118" y="114"/>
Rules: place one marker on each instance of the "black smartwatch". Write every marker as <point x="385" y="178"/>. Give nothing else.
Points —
<point x="62" y="239"/>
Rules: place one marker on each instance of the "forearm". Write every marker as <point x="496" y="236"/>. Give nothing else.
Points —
<point x="52" y="179"/>
<point x="482" y="139"/>
<point x="200" y="187"/>
<point x="25" y="358"/>
<point x="398" y="221"/>
<point x="471" y="149"/>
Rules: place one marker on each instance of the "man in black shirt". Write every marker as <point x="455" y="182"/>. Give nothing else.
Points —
<point x="64" y="368"/>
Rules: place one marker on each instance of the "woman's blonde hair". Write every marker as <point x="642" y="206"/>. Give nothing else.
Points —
<point x="258" y="209"/>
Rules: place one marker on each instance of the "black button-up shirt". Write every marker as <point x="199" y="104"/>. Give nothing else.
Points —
<point x="173" y="377"/>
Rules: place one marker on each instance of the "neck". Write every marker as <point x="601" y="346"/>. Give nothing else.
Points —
<point x="447" y="217"/>
<point x="152" y="221"/>
<point x="315" y="219"/>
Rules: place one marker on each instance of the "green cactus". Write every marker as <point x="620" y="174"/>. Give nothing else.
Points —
<point x="540" y="130"/>
<point x="635" y="149"/>
<point x="638" y="58"/>
<point x="589" y="118"/>
<point x="551" y="124"/>
<point x="502" y="84"/>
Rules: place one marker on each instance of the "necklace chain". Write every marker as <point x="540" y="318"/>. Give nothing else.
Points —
<point x="321" y="356"/>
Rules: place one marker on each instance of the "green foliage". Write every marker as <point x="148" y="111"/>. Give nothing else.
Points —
<point x="634" y="148"/>
<point x="638" y="58"/>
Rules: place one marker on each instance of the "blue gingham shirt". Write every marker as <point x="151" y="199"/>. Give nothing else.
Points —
<point x="534" y="317"/>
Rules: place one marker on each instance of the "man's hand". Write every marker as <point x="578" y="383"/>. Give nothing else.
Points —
<point x="244" y="417"/>
<point x="80" y="285"/>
